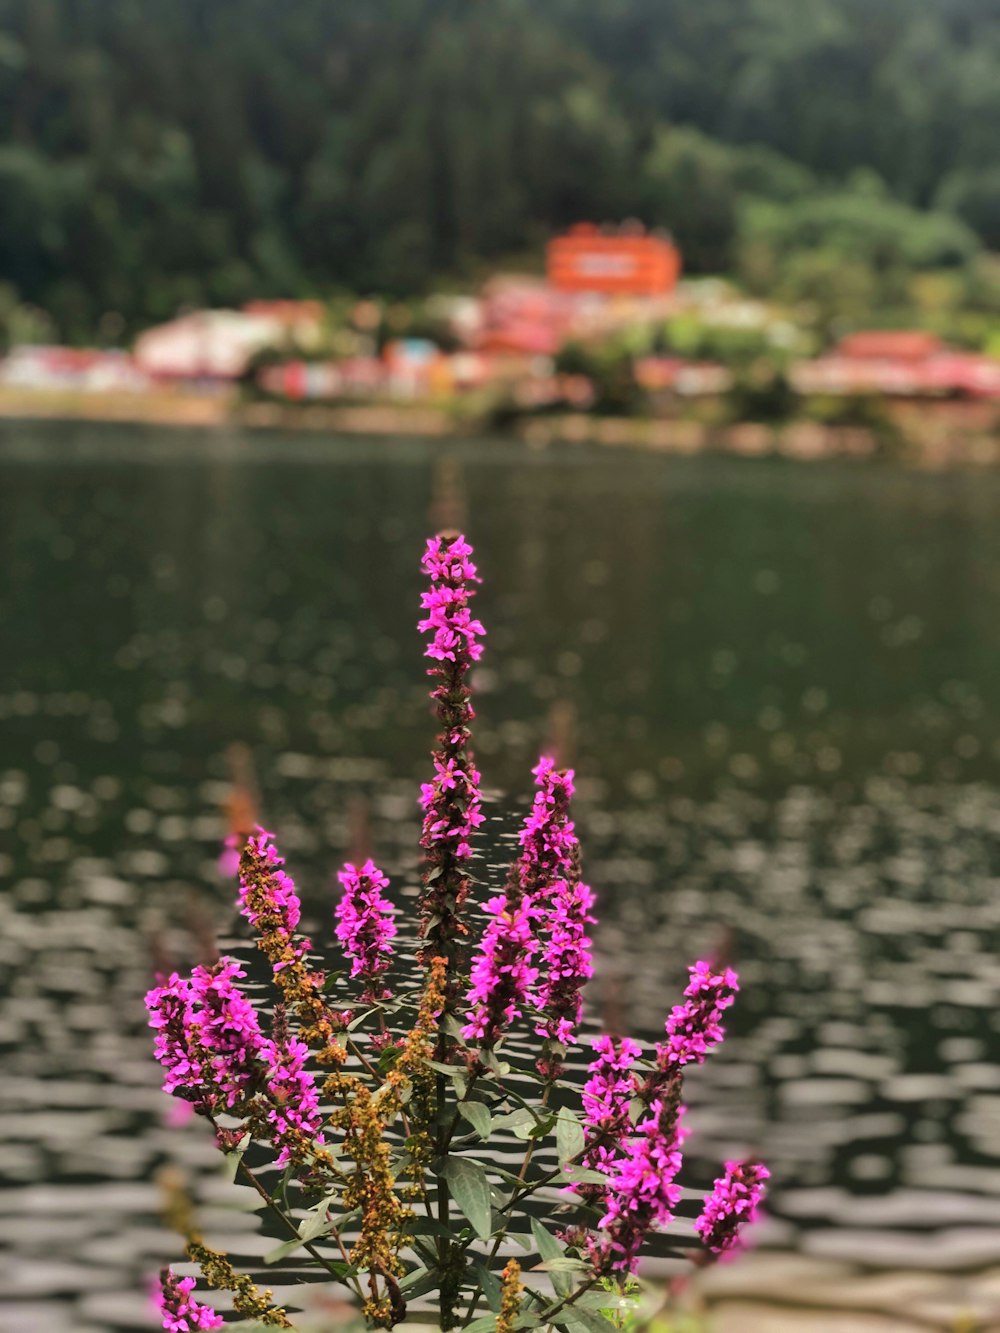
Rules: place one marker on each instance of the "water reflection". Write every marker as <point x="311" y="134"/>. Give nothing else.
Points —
<point x="786" y="729"/>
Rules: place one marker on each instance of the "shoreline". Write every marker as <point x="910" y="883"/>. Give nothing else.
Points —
<point x="934" y="435"/>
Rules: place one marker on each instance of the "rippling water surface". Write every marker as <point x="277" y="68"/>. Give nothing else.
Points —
<point x="780" y="685"/>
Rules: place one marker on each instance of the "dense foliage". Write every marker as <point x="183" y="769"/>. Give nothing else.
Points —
<point x="157" y="155"/>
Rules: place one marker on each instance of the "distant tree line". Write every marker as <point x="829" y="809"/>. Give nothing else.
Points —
<point x="157" y="156"/>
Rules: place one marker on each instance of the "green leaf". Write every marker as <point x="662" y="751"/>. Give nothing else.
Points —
<point x="470" y="1189"/>
<point x="280" y="1252"/>
<point x="549" y="1248"/>
<point x="564" y="1264"/>
<point x="569" y="1136"/>
<point x="411" y="1279"/>
<point x="478" y="1117"/>
<point x="535" y="1130"/>
<point x="546" y="1244"/>
<point x="440" y="1067"/>
<point x="485" y="1324"/>
<point x="231" y="1160"/>
<point x="522" y="1116"/>
<point x="573" y="1317"/>
<point x="428" y="1226"/>
<point x="579" y="1175"/>
<point x="490" y="1284"/>
<point x="450" y="1024"/>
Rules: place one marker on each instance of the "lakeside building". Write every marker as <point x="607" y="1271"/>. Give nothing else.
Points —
<point x="55" y="369"/>
<point x="906" y="363"/>
<point x="624" y="261"/>
<point x="218" y="345"/>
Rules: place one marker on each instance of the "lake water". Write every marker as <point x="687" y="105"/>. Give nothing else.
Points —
<point x="779" y="683"/>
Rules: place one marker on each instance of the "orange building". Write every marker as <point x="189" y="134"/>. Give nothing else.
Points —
<point x="624" y="263"/>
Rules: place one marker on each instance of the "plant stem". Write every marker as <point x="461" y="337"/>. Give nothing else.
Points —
<point x="309" y="1248"/>
<point x="546" y="1315"/>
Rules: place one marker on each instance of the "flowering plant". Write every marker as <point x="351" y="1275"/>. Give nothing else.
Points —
<point x="382" y="1095"/>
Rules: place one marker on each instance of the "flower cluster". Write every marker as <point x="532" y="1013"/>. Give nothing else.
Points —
<point x="395" y="1180"/>
<point x="549" y="847"/>
<point x="269" y="899"/>
<point x="208" y="1038"/>
<point x="270" y="902"/>
<point x="451" y="801"/>
<point x="694" y="1028"/>
<point x="606" y="1097"/>
<point x="732" y="1203"/>
<point x="293" y="1114"/>
<point x="568" y="955"/>
<point x="365" y="926"/>
<point x="642" y="1195"/>
<point x="511" y="1288"/>
<point x="180" y="1312"/>
<point x="548" y="871"/>
<point x="502" y="975"/>
<point x="456" y="635"/>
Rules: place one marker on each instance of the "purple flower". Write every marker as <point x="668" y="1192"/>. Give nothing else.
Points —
<point x="179" y="1311"/>
<point x="365" y="926"/>
<point x="564" y="920"/>
<point x="294" y="1110"/>
<point x="207" y="1036"/>
<point x="548" y="871"/>
<point x="606" y="1098"/>
<point x="451" y="801"/>
<point x="549" y="848"/>
<point x="502" y="975"/>
<point x="694" y="1028"/>
<point x="642" y="1195"/>
<point x="731" y="1205"/>
<point x="269" y="899"/>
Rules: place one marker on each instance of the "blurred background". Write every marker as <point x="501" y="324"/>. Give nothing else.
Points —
<point x="284" y="288"/>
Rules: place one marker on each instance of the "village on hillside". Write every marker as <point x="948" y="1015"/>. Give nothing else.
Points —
<point x="610" y="331"/>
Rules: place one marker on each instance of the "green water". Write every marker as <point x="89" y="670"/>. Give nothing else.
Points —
<point x="778" y="684"/>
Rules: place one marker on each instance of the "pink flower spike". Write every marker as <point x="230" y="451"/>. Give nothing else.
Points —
<point x="365" y="926"/>
<point x="451" y="801"/>
<point x="180" y="1312"/>
<point x="208" y="1038"/>
<point x="502" y="975"/>
<point x="694" y="1028"/>
<point x="642" y="1195"/>
<point x="731" y="1206"/>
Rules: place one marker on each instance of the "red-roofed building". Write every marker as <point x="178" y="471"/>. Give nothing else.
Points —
<point x="889" y="345"/>
<point x="625" y="262"/>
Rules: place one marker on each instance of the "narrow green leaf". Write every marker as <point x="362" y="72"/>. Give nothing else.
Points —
<point x="569" y="1136"/>
<point x="478" y="1117"/>
<point x="470" y="1189"/>
<point x="411" y="1279"/>
<point x="313" y="1225"/>
<point x="579" y="1175"/>
<point x="490" y="1284"/>
<point x="521" y="1116"/>
<point x="441" y="1068"/>
<point x="485" y="1324"/>
<point x="549" y="1248"/>
<point x="452" y="1026"/>
<point x="564" y="1265"/>
<point x="547" y="1245"/>
<point x="231" y="1160"/>
<point x="280" y="1252"/>
<point x="574" y="1317"/>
